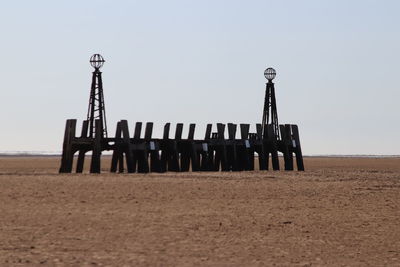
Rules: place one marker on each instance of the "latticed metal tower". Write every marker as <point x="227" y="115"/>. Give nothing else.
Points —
<point x="96" y="110"/>
<point x="270" y="113"/>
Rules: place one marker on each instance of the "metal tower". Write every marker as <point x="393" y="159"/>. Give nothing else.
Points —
<point x="96" y="110"/>
<point x="270" y="113"/>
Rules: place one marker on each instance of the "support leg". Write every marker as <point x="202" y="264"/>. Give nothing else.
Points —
<point x="81" y="161"/>
<point x="67" y="154"/>
<point x="95" y="165"/>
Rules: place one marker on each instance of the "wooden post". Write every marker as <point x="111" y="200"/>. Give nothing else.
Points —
<point x="273" y="147"/>
<point x="192" y="128"/>
<point x="164" y="148"/>
<point x="136" y="142"/>
<point x="261" y="150"/>
<point x="221" y="155"/>
<point x="138" y="130"/>
<point x="143" y="159"/>
<point x="247" y="149"/>
<point x="289" y="144"/>
<point x="173" y="164"/>
<point x="285" y="146"/>
<point x="299" y="155"/>
<point x="194" y="155"/>
<point x="118" y="150"/>
<point x="184" y="148"/>
<point x="206" y="163"/>
<point x="231" y="148"/>
<point x="95" y="166"/>
<point x="152" y="148"/>
<point x="68" y="154"/>
<point x="82" y="152"/>
<point x="127" y="147"/>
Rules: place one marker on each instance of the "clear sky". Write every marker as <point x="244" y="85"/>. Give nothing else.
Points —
<point x="203" y="61"/>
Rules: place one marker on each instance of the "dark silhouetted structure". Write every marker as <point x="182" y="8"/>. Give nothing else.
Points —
<point x="97" y="110"/>
<point x="215" y="152"/>
<point x="94" y="130"/>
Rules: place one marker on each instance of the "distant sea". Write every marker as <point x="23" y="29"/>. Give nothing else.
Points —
<point x="58" y="153"/>
<point x="30" y="153"/>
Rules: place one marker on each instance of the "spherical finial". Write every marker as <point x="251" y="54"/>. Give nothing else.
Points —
<point x="97" y="61"/>
<point x="270" y="74"/>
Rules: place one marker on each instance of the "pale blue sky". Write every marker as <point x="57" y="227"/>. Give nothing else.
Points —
<point x="203" y="61"/>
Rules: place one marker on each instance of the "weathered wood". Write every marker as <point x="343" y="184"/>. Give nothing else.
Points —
<point x="220" y="158"/>
<point x="245" y="149"/>
<point x="206" y="157"/>
<point x="189" y="152"/>
<point x="118" y="150"/>
<point x="178" y="131"/>
<point x="261" y="149"/>
<point x="192" y="128"/>
<point x="289" y="145"/>
<point x="283" y="146"/>
<point x="154" y="151"/>
<point x="169" y="152"/>
<point x="208" y="132"/>
<point x="95" y="165"/>
<point x="231" y="148"/>
<point x="221" y="131"/>
<point x="127" y="147"/>
<point x="138" y="131"/>
<point x="272" y="147"/>
<point x="166" y="131"/>
<point x="212" y="153"/>
<point x="259" y="130"/>
<point x="82" y="152"/>
<point x="67" y="155"/>
<point x="244" y="131"/>
<point x="164" y="148"/>
<point x="173" y="160"/>
<point x="142" y="155"/>
<point x="149" y="131"/>
<point x="299" y="154"/>
<point x="232" y="131"/>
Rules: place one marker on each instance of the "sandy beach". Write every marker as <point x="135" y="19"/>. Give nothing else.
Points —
<point x="340" y="211"/>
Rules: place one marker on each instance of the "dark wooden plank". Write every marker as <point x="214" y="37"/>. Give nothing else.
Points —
<point x="208" y="132"/>
<point x="166" y="131"/>
<point x="232" y="131"/>
<point x="148" y="131"/>
<point x="272" y="147"/>
<point x="221" y="131"/>
<point x="95" y="166"/>
<point x="288" y="154"/>
<point x="299" y="154"/>
<point x="67" y="154"/>
<point x="117" y="150"/>
<point x="192" y="128"/>
<point x="244" y="131"/>
<point x="138" y="131"/>
<point x="81" y="155"/>
<point x="130" y="163"/>
<point x="259" y="130"/>
<point x="178" y="131"/>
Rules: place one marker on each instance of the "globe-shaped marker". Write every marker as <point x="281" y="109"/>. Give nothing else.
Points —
<point x="97" y="61"/>
<point x="270" y="74"/>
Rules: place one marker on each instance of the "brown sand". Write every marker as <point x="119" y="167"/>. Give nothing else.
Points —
<point x="340" y="211"/>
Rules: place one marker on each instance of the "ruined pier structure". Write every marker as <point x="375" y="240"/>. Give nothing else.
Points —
<point x="144" y="153"/>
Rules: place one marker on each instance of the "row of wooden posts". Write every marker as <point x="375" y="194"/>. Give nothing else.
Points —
<point x="213" y="153"/>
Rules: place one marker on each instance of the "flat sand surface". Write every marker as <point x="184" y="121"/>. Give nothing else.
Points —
<point x="341" y="211"/>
